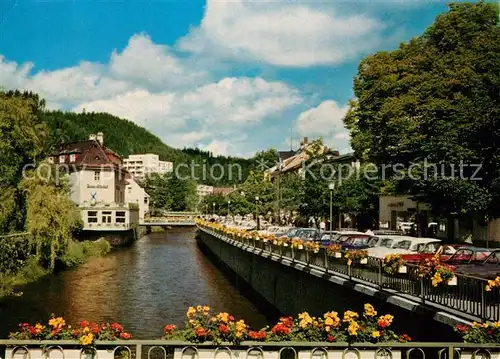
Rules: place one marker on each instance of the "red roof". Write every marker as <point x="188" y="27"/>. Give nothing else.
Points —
<point x="88" y="153"/>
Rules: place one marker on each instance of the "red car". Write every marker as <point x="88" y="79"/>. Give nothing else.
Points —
<point x="445" y="251"/>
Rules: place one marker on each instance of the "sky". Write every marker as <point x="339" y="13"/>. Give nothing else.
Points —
<point x="229" y="76"/>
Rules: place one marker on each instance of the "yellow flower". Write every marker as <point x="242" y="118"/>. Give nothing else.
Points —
<point x="305" y="319"/>
<point x="496" y="324"/>
<point x="327" y="328"/>
<point x="375" y="334"/>
<point x="353" y="328"/>
<point x="58" y="322"/>
<point x="191" y="312"/>
<point x="370" y="310"/>
<point x="39" y="328"/>
<point x="349" y="262"/>
<point x="87" y="339"/>
<point x="332" y="319"/>
<point x="206" y="308"/>
<point x="86" y="329"/>
<point x="479" y="325"/>
<point x="223" y="317"/>
<point x="350" y="315"/>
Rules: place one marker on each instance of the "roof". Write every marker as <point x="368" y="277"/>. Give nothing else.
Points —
<point x="283" y="155"/>
<point x="88" y="153"/>
<point x="343" y="158"/>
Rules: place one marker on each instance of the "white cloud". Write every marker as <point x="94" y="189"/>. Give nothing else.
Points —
<point x="326" y="121"/>
<point x="282" y="33"/>
<point x="148" y="84"/>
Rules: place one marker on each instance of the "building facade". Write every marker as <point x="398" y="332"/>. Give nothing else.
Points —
<point x="136" y="194"/>
<point x="142" y="165"/>
<point x="97" y="181"/>
<point x="203" y="190"/>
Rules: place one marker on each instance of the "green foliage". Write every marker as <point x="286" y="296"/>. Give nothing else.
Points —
<point x="14" y="252"/>
<point x="436" y="98"/>
<point x="51" y="215"/>
<point x="167" y="192"/>
<point x="125" y="138"/>
<point x="79" y="252"/>
<point x="264" y="160"/>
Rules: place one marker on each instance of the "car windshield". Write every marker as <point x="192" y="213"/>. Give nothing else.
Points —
<point x="494" y="258"/>
<point x="403" y="245"/>
<point x="386" y="242"/>
<point x="306" y="234"/>
<point x="428" y="247"/>
<point x="358" y="241"/>
<point x="372" y="242"/>
<point x="292" y="232"/>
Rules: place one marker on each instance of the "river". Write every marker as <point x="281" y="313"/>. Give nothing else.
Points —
<point x="143" y="287"/>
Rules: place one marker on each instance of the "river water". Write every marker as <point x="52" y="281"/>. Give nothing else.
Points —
<point x="144" y="287"/>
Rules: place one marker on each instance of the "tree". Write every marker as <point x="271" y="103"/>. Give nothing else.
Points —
<point x="156" y="186"/>
<point x="51" y="215"/>
<point x="435" y="101"/>
<point x="22" y="141"/>
<point x="264" y="160"/>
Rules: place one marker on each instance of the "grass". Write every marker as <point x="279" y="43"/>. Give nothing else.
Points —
<point x="76" y="253"/>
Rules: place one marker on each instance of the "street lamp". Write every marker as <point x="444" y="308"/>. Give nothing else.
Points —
<point x="228" y="204"/>
<point x="331" y="187"/>
<point x="257" y="212"/>
<point x="213" y="209"/>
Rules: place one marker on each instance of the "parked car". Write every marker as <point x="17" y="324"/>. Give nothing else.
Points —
<point x="326" y="238"/>
<point x="428" y="250"/>
<point x="387" y="232"/>
<point x="489" y="269"/>
<point x="357" y="241"/>
<point x="398" y="245"/>
<point x="307" y="234"/>
<point x="345" y="235"/>
<point x="469" y="255"/>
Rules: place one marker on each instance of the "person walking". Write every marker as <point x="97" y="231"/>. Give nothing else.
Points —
<point x="322" y="226"/>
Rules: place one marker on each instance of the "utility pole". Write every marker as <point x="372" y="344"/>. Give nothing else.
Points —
<point x="331" y="186"/>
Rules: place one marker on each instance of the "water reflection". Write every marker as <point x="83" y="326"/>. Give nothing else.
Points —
<point x="143" y="287"/>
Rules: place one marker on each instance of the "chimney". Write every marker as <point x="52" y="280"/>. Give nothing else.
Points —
<point x="100" y="138"/>
<point x="92" y="137"/>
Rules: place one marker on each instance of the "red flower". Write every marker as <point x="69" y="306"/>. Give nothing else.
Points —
<point x="404" y="338"/>
<point x="330" y="338"/>
<point x="125" y="336"/>
<point x="117" y="327"/>
<point x="462" y="328"/>
<point x="281" y="329"/>
<point x="84" y="324"/>
<point x="223" y="329"/>
<point x="95" y="329"/>
<point x="201" y="332"/>
<point x="260" y="335"/>
<point x="231" y="318"/>
<point x="287" y="321"/>
<point x="169" y="328"/>
<point x="24" y="325"/>
<point x="56" y="331"/>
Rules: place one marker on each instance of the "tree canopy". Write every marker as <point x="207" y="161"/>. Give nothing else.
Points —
<point x="435" y="100"/>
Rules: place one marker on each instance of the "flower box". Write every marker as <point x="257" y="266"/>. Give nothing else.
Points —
<point x="350" y="353"/>
<point x="403" y="269"/>
<point x="54" y="352"/>
<point x="453" y="281"/>
<point x="221" y="353"/>
<point x="363" y="261"/>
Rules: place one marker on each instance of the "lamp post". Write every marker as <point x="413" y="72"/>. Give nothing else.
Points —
<point x="206" y="209"/>
<point x="213" y="209"/>
<point x="331" y="187"/>
<point x="257" y="212"/>
<point x="228" y="204"/>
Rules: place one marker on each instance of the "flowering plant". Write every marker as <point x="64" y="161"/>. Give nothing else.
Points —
<point x="392" y="263"/>
<point x="297" y="243"/>
<point x="202" y="326"/>
<point x="312" y="246"/>
<point x="492" y="283"/>
<point x="437" y="271"/>
<point x="355" y="255"/>
<point x="333" y="248"/>
<point x="480" y="333"/>
<point x="86" y="332"/>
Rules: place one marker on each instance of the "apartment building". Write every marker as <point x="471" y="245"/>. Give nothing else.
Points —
<point x="142" y="165"/>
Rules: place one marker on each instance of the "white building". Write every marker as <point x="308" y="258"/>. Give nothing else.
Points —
<point x="97" y="182"/>
<point x="203" y="190"/>
<point x="141" y="165"/>
<point x="136" y="194"/>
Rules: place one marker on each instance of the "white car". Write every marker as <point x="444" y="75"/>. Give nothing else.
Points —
<point x="399" y="245"/>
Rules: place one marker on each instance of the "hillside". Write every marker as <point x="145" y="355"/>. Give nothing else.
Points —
<point x="125" y="138"/>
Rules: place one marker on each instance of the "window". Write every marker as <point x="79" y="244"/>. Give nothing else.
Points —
<point x="62" y="159"/>
<point x="97" y="176"/>
<point x="106" y="217"/>
<point x="145" y="200"/>
<point x="72" y="158"/>
<point x="92" y="216"/>
<point x="403" y="245"/>
<point x="120" y="217"/>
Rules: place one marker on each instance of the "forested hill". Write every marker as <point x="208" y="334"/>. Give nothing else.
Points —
<point x="125" y="138"/>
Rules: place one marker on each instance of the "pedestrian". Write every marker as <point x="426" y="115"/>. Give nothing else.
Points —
<point x="322" y="226"/>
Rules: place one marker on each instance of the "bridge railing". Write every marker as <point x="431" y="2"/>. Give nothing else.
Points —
<point x="465" y="295"/>
<point x="163" y="349"/>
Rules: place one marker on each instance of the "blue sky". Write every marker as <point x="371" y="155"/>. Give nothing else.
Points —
<point x="230" y="76"/>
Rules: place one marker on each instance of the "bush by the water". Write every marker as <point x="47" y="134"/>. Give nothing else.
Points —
<point x="80" y="252"/>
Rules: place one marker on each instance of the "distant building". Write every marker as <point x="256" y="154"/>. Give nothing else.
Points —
<point x="203" y="190"/>
<point x="97" y="182"/>
<point x="136" y="194"/>
<point x="223" y="191"/>
<point x="142" y="165"/>
<point x="292" y="161"/>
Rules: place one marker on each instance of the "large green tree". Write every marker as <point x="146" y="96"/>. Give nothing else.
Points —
<point x="51" y="215"/>
<point x="435" y="100"/>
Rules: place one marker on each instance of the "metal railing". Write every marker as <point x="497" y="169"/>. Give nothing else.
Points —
<point x="163" y="349"/>
<point x="468" y="296"/>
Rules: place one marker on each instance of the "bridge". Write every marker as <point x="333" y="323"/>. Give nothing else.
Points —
<point x="173" y="219"/>
<point x="317" y="280"/>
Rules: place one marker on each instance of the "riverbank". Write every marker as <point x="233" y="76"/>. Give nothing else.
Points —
<point x="25" y="268"/>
